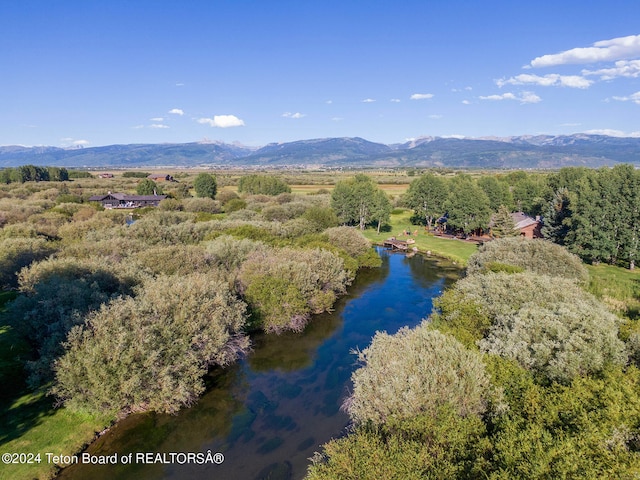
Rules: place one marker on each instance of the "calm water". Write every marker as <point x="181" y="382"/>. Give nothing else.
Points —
<point x="271" y="412"/>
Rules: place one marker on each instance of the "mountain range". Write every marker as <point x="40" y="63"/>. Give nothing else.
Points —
<point x="539" y="151"/>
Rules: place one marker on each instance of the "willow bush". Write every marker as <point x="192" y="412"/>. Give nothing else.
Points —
<point x="151" y="352"/>
<point x="538" y="256"/>
<point x="284" y="286"/>
<point x="548" y="324"/>
<point x="414" y="372"/>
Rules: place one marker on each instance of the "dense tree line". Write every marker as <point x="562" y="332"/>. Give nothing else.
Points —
<point x="32" y="173"/>
<point x="518" y="373"/>
<point x="594" y="213"/>
<point x="262" y="185"/>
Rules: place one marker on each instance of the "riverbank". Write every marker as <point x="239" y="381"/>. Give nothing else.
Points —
<point x="451" y="249"/>
<point x="29" y="423"/>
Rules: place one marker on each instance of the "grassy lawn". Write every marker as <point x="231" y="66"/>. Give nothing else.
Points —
<point x="618" y="287"/>
<point x="28" y="421"/>
<point x="455" y="250"/>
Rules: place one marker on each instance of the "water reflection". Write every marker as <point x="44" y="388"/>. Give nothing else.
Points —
<point x="269" y="413"/>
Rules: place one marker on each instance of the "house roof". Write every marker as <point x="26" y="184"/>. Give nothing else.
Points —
<point x="126" y="198"/>
<point x="522" y="220"/>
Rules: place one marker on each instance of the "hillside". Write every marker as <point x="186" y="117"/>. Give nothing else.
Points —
<point x="542" y="151"/>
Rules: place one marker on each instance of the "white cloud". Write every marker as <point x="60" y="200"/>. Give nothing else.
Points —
<point x="435" y="117"/>
<point x="368" y="100"/>
<point x="466" y="102"/>
<point x="179" y="84"/>
<point x="612" y="133"/>
<point x="605" y="50"/>
<point x="395" y="100"/>
<point x="329" y="102"/>
<point x="222" y="121"/>
<point x="552" y="79"/>
<point x="421" y="96"/>
<point x="68" y="141"/>
<point x="157" y="119"/>
<point x="294" y="115"/>
<point x="176" y="111"/>
<point x="622" y="68"/>
<point x="337" y="119"/>
<point x="635" y="98"/>
<point x="137" y="127"/>
<point x="158" y="125"/>
<point x="524" y="97"/>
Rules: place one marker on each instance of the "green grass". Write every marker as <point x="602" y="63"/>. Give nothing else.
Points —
<point x="617" y="287"/>
<point x="455" y="250"/>
<point x="28" y="421"/>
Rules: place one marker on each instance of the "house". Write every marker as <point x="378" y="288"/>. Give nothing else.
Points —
<point x="160" y="177"/>
<point x="123" y="200"/>
<point x="105" y="175"/>
<point x="528" y="227"/>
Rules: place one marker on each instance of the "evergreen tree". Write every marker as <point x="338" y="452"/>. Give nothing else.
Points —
<point x="503" y="224"/>
<point x="557" y="220"/>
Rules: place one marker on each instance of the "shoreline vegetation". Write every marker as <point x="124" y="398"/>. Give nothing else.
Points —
<point x="271" y="244"/>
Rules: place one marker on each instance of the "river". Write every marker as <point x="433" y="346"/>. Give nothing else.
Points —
<point x="270" y="412"/>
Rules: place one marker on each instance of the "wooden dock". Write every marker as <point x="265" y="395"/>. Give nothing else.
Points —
<point x="395" y="244"/>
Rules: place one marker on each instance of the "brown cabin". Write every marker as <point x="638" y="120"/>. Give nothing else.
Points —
<point x="123" y="200"/>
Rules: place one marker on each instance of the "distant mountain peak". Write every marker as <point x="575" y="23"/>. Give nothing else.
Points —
<point x="524" y="151"/>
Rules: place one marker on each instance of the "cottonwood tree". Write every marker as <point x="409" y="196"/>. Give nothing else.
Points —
<point x="354" y="200"/>
<point x="205" y="185"/>
<point x="427" y="196"/>
<point x="467" y="206"/>
<point x="148" y="187"/>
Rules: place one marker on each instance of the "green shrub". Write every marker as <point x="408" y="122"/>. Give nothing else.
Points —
<point x="234" y="205"/>
<point x="416" y="372"/>
<point x="206" y="205"/>
<point x="16" y="253"/>
<point x="304" y="282"/>
<point x="321" y="217"/>
<point x="224" y="196"/>
<point x="171" y="205"/>
<point x="548" y="324"/>
<point x="539" y="256"/>
<point x="442" y="446"/>
<point x="262" y="184"/>
<point x="229" y="253"/>
<point x="151" y="352"/>
<point x="57" y="294"/>
<point x="349" y="239"/>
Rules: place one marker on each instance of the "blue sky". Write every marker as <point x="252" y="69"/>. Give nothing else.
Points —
<point x="90" y="73"/>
